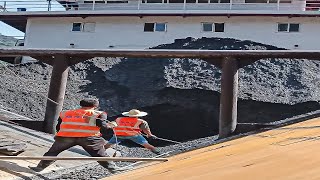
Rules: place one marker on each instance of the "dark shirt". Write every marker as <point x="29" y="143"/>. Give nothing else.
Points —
<point x="100" y="122"/>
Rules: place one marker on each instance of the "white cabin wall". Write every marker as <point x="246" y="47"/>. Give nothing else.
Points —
<point x="127" y="32"/>
<point x="299" y="4"/>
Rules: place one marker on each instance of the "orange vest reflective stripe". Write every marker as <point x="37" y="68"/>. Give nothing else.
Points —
<point x="79" y="123"/>
<point x="127" y="126"/>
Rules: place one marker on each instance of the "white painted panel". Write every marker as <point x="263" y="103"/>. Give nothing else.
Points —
<point x="127" y="32"/>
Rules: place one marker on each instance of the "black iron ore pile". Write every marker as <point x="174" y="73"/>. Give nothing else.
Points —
<point x="180" y="95"/>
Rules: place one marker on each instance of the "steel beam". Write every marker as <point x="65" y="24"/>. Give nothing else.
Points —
<point x="56" y="93"/>
<point x="228" y="98"/>
<point x="163" y="53"/>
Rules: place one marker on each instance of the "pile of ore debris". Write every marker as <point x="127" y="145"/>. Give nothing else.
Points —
<point x="180" y="95"/>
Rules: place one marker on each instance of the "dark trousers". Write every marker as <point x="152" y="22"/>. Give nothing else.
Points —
<point x="93" y="145"/>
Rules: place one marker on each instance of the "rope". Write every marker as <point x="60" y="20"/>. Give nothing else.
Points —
<point x="82" y="115"/>
<point x="26" y="80"/>
<point x="163" y="139"/>
<point x="116" y="148"/>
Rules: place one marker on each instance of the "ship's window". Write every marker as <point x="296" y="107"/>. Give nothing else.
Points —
<point x="202" y="1"/>
<point x="273" y="1"/>
<point x="176" y="1"/>
<point x="282" y="27"/>
<point x="160" y="27"/>
<point x="152" y="27"/>
<point x="294" y="27"/>
<point x="99" y="2"/>
<point x="256" y="1"/>
<point x="219" y="1"/>
<point x="153" y="1"/>
<point x="148" y="27"/>
<point x="207" y="27"/>
<point x="88" y="2"/>
<point x="285" y="1"/>
<point x="89" y="27"/>
<point x="288" y="27"/>
<point x="190" y="1"/>
<point x="116" y="2"/>
<point x="83" y="27"/>
<point x="77" y="27"/>
<point x="212" y="27"/>
<point x="218" y="27"/>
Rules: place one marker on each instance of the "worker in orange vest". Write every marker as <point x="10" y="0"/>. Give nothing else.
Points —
<point x="81" y="127"/>
<point x="130" y="128"/>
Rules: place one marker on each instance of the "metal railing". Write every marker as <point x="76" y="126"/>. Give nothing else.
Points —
<point x="112" y="5"/>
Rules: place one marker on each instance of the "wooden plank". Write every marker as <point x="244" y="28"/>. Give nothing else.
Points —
<point x="286" y="153"/>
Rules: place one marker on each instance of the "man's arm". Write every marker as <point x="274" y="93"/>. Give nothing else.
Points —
<point x="58" y="124"/>
<point x="144" y="126"/>
<point x="101" y="121"/>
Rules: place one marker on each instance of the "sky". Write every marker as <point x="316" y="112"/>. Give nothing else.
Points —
<point x="9" y="31"/>
<point x="30" y="5"/>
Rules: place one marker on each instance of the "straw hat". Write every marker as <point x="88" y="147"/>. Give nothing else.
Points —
<point x="134" y="113"/>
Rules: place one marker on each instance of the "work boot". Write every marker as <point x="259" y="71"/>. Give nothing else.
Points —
<point x="36" y="168"/>
<point x="156" y="151"/>
<point x="115" y="169"/>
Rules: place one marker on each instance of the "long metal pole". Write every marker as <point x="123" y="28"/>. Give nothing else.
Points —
<point x="228" y="98"/>
<point x="163" y="139"/>
<point x="81" y="158"/>
<point x="56" y="93"/>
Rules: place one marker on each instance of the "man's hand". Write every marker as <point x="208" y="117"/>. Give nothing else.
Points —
<point x="112" y="124"/>
<point x="151" y="136"/>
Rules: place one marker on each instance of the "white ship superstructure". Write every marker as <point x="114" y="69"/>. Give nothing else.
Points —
<point x="140" y="24"/>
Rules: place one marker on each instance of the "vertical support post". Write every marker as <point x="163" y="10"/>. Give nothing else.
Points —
<point x="278" y="5"/>
<point x="56" y="93"/>
<point x="229" y="97"/>
<point x="49" y="5"/>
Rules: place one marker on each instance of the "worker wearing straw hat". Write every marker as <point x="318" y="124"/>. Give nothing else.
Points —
<point x="130" y="127"/>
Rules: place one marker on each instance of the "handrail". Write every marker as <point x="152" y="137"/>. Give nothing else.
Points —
<point x="56" y="5"/>
<point x="2" y="8"/>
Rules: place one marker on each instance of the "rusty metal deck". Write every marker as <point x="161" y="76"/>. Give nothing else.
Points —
<point x="290" y="152"/>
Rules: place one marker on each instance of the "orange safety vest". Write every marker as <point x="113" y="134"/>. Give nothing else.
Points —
<point x="127" y="126"/>
<point x="79" y="123"/>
